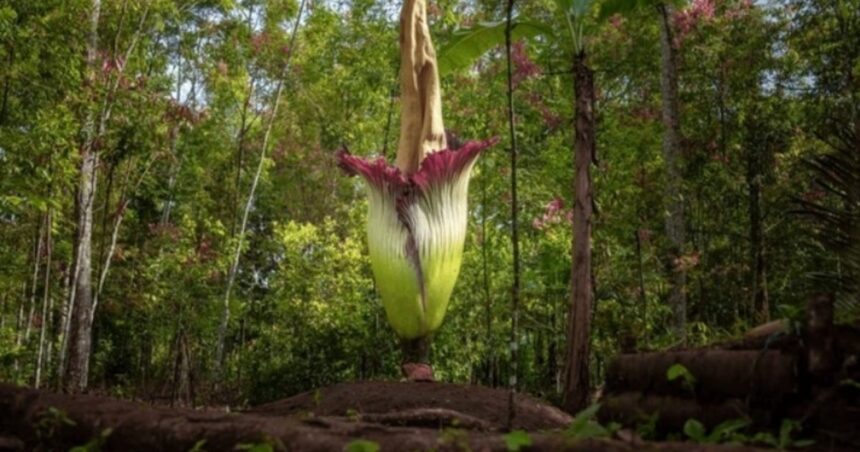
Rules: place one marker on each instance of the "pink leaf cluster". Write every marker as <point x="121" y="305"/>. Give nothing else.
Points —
<point x="688" y="18"/>
<point x="554" y="213"/>
<point x="524" y="67"/>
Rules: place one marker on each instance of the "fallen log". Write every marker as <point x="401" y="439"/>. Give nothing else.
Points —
<point x="718" y="374"/>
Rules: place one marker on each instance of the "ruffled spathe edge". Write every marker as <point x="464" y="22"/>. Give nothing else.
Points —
<point x="437" y="167"/>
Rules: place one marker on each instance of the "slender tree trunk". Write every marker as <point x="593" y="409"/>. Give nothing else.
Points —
<point x="240" y="154"/>
<point x="485" y="263"/>
<point x="19" y="324"/>
<point x="34" y="286"/>
<point x="65" y="316"/>
<point x="46" y="296"/>
<point x="577" y="379"/>
<point x="234" y="267"/>
<point x="671" y="155"/>
<point x="124" y="200"/>
<point x="49" y="344"/>
<point x="80" y="305"/>
<point x="756" y="149"/>
<point x="7" y="82"/>
<point x="515" y="239"/>
<point x="643" y="297"/>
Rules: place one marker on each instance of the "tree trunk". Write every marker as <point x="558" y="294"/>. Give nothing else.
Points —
<point x="234" y="267"/>
<point x="577" y="378"/>
<point x="672" y="158"/>
<point x="515" y="239"/>
<point x="760" y="302"/>
<point x="485" y="273"/>
<point x="37" y="259"/>
<point x="46" y="295"/>
<point x="80" y="305"/>
<point x="65" y="315"/>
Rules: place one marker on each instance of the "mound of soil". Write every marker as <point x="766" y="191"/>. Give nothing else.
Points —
<point x="406" y="403"/>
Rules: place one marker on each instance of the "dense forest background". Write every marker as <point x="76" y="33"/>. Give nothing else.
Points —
<point x="181" y="104"/>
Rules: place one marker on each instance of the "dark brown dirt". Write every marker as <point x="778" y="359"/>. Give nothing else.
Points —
<point x="40" y="420"/>
<point x="488" y="405"/>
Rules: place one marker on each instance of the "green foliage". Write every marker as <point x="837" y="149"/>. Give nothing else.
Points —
<point x="256" y="447"/>
<point x="361" y="445"/>
<point x="465" y="46"/>
<point x="724" y="432"/>
<point x="517" y="440"/>
<point x="677" y="371"/>
<point x="784" y="440"/>
<point x="95" y="444"/>
<point x="730" y="432"/>
<point x="585" y="426"/>
<point x="50" y="422"/>
<point x="647" y="428"/>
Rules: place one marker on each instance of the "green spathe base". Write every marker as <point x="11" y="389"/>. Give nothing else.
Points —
<point x="416" y="229"/>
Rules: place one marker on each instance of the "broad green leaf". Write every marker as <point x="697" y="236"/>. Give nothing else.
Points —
<point x="725" y="429"/>
<point x="584" y="426"/>
<point x="467" y="45"/>
<point x="695" y="430"/>
<point x="516" y="440"/>
<point x="677" y="371"/>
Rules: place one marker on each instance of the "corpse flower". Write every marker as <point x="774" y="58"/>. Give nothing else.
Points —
<point x="417" y="214"/>
<point x="416" y="227"/>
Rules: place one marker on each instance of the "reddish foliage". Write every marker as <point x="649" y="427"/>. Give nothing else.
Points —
<point x="258" y="41"/>
<point x="687" y="19"/>
<point x="524" y="67"/>
<point x="554" y="213"/>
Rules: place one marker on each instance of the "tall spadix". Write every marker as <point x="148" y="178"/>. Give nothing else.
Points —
<point x="422" y="130"/>
<point x="417" y="212"/>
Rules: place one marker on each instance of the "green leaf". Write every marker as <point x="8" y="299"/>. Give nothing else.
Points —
<point x="95" y="444"/>
<point x="695" y="430"/>
<point x="467" y="45"/>
<point x="585" y="427"/>
<point x="256" y="447"/>
<point x="362" y="445"/>
<point x="803" y="443"/>
<point x="516" y="440"/>
<point x="678" y="371"/>
<point x="725" y="429"/>
<point x="610" y="8"/>
<point x="785" y="430"/>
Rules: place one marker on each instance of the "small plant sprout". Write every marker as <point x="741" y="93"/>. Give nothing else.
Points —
<point x="517" y="440"/>
<point x="679" y="372"/>
<point x="585" y="426"/>
<point x="417" y="214"/>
